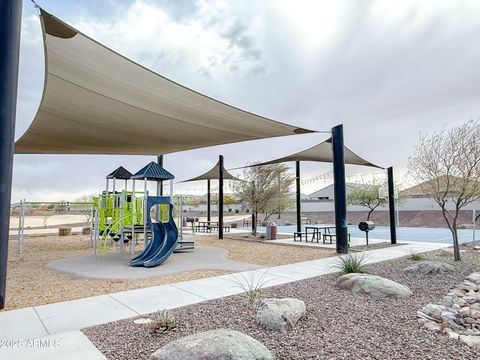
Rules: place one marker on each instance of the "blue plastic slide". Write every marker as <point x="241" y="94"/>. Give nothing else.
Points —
<point x="157" y="240"/>
<point x="164" y="236"/>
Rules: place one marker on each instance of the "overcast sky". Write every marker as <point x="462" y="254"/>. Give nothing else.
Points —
<point x="385" y="69"/>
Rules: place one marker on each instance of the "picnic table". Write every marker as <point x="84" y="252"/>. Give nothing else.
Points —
<point x="315" y="231"/>
<point x="206" y="226"/>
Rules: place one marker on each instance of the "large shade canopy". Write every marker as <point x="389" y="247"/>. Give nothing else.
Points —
<point x="321" y="153"/>
<point x="96" y="101"/>
<point x="214" y="174"/>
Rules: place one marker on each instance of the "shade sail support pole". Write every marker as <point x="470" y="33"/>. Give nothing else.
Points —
<point x="220" y="197"/>
<point x="208" y="201"/>
<point x="391" y="206"/>
<point x="340" y="190"/>
<point x="298" y="200"/>
<point x="10" y="24"/>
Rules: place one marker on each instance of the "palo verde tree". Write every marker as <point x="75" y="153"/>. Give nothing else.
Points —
<point x="265" y="189"/>
<point x="446" y="165"/>
<point x="367" y="195"/>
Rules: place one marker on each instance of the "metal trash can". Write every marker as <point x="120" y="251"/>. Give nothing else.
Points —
<point x="271" y="231"/>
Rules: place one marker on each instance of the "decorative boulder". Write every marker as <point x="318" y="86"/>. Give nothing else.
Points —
<point x="473" y="341"/>
<point x="280" y="314"/>
<point x="213" y="345"/>
<point x="429" y="268"/>
<point x="373" y="285"/>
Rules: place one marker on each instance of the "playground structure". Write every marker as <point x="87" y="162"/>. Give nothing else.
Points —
<point x="126" y="217"/>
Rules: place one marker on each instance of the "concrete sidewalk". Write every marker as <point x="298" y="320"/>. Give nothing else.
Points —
<point x="61" y="322"/>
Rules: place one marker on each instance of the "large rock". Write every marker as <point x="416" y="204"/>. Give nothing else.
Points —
<point x="214" y="345"/>
<point x="474" y="277"/>
<point x="373" y="285"/>
<point x="429" y="268"/>
<point x="280" y="314"/>
<point x="473" y="341"/>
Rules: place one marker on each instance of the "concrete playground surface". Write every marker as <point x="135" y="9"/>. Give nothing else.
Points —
<point x="117" y="266"/>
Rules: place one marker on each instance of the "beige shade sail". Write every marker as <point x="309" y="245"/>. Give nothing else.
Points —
<point x="96" y="101"/>
<point x="213" y="174"/>
<point x="320" y="153"/>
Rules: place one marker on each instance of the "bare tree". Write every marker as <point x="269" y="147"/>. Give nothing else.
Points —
<point x="367" y="195"/>
<point x="447" y="166"/>
<point x="265" y="190"/>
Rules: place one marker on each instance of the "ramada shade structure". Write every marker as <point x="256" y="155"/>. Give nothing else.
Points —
<point x="214" y="174"/>
<point x="321" y="152"/>
<point x="96" y="101"/>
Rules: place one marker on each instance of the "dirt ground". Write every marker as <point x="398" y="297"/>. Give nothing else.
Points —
<point x="31" y="282"/>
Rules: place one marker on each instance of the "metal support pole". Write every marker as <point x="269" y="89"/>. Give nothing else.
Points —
<point x="181" y="218"/>
<point x="220" y="197"/>
<point x="208" y="201"/>
<point x="20" y="210"/>
<point x="145" y="243"/>
<point x="10" y="24"/>
<point x="299" y="206"/>
<point x="134" y="218"/>
<point x="160" y="184"/>
<point x="122" y="236"/>
<point x="340" y="190"/>
<point x="391" y="206"/>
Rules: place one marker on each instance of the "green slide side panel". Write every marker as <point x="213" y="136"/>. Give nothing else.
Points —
<point x="164" y="213"/>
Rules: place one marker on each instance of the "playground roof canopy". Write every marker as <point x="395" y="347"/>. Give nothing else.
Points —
<point x="321" y="152"/>
<point x="152" y="171"/>
<point x="213" y="174"/>
<point x="120" y="173"/>
<point x="96" y="101"/>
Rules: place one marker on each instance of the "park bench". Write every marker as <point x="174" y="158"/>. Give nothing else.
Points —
<point x="332" y="237"/>
<point x="299" y="235"/>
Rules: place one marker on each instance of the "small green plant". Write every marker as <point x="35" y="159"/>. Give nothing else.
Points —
<point x="415" y="256"/>
<point x="162" y="322"/>
<point x="251" y="286"/>
<point x="352" y="263"/>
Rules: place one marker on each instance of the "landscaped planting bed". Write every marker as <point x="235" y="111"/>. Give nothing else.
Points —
<point x="338" y="325"/>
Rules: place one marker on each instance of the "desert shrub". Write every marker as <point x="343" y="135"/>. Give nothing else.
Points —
<point x="415" y="256"/>
<point x="162" y="322"/>
<point x="251" y="285"/>
<point x="352" y="263"/>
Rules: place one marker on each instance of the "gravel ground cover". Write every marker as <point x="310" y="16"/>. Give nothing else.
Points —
<point x="263" y="253"/>
<point x="338" y="325"/>
<point x="31" y="282"/>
